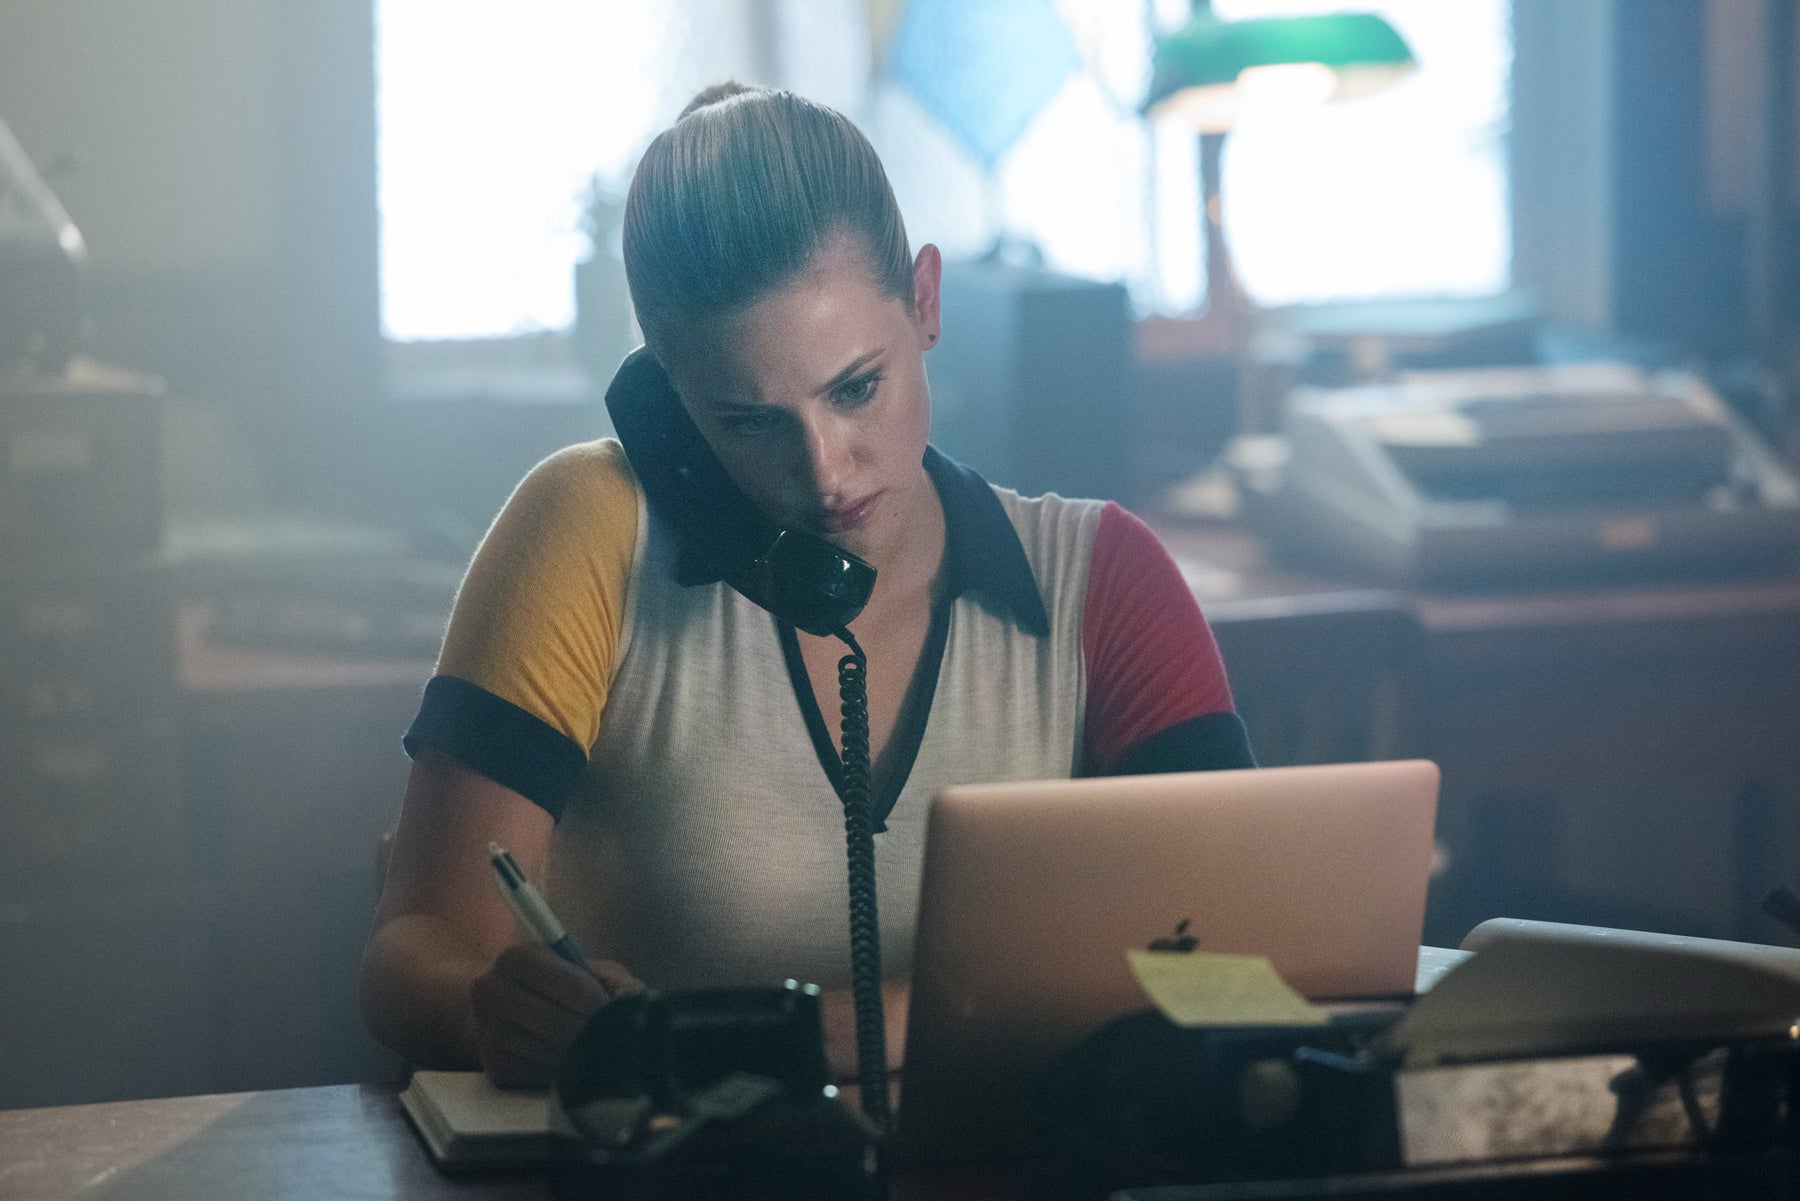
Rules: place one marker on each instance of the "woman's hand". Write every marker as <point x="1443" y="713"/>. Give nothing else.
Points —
<point x="529" y="1006"/>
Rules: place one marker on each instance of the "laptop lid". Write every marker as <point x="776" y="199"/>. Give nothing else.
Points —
<point x="1033" y="892"/>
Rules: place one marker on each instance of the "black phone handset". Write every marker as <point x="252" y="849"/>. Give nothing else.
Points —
<point x="803" y="580"/>
<point x="795" y="574"/>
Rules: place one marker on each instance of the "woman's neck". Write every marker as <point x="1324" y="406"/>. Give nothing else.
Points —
<point x="911" y="572"/>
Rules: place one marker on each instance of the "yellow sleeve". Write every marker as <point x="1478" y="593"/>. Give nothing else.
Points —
<point x="540" y="617"/>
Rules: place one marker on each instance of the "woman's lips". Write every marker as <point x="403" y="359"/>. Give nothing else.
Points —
<point x="848" y="517"/>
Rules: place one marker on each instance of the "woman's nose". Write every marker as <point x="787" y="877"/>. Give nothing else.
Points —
<point x="827" y="455"/>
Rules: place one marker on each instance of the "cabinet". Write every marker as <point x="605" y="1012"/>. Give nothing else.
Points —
<point x="104" y="944"/>
<point x="295" y="772"/>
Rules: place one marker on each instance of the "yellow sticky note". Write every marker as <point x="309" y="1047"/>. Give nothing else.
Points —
<point x="1203" y="988"/>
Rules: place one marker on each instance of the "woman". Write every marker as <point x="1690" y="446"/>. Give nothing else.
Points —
<point x="647" y="742"/>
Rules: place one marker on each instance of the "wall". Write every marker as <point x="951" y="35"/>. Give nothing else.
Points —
<point x="218" y="155"/>
<point x="219" y="159"/>
<point x="1686" y="157"/>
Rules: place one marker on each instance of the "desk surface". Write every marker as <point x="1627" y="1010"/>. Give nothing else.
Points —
<point x="332" y="1143"/>
<point x="340" y="1141"/>
<point x="321" y="1144"/>
<point x="1236" y="579"/>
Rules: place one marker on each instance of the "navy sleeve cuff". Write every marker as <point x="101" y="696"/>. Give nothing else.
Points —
<point x="498" y="739"/>
<point x="1210" y="742"/>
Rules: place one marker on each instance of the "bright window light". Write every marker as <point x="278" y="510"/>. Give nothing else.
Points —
<point x="1403" y="193"/>
<point x="493" y="121"/>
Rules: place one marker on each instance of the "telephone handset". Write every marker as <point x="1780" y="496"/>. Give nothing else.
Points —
<point x="795" y="574"/>
<point x="803" y="580"/>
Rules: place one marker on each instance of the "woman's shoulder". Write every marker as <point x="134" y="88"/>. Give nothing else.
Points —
<point x="577" y="479"/>
<point x="1049" y="511"/>
<point x="596" y="466"/>
<point x="1056" y="532"/>
<point x="580" y="496"/>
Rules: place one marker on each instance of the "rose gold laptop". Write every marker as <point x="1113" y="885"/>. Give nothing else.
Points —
<point x="1033" y="892"/>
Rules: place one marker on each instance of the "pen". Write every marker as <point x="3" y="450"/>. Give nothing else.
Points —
<point x="529" y="906"/>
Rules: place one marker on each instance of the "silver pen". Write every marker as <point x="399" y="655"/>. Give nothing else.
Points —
<point x="529" y="906"/>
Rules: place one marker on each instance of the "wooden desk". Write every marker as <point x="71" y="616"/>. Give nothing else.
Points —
<point x="320" y="1143"/>
<point x="330" y="1143"/>
<point x="339" y="1141"/>
<point x="1624" y="755"/>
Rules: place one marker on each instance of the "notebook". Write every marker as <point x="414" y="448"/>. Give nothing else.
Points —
<point x="467" y="1122"/>
<point x="1033" y="893"/>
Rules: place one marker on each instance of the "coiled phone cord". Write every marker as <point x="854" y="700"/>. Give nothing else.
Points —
<point x="865" y="927"/>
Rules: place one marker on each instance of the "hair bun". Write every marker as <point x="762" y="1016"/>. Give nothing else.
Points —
<point x="708" y="96"/>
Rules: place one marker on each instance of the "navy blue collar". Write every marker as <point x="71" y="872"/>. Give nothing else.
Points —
<point x="982" y="552"/>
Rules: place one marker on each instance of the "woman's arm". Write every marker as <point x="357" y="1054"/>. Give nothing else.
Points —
<point x="447" y="980"/>
<point x="1158" y="700"/>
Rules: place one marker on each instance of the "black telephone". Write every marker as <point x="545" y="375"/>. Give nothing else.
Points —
<point x="806" y="582"/>
<point x="707" y="1093"/>
<point x="795" y="574"/>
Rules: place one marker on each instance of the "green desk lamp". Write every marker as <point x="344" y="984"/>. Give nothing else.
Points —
<point x="1202" y="69"/>
<point x="1205" y="71"/>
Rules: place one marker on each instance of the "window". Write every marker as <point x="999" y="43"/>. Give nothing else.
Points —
<point x="494" y="121"/>
<point x="1403" y="193"/>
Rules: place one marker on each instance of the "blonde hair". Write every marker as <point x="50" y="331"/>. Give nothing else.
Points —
<point x="734" y="199"/>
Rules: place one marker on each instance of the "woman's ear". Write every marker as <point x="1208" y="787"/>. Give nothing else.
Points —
<point x="928" y="273"/>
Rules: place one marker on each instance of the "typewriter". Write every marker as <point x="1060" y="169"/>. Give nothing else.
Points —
<point x="1522" y="474"/>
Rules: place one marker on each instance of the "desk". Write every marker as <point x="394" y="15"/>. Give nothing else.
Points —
<point x="338" y="1141"/>
<point x="322" y="1143"/>
<point x="330" y="1143"/>
<point x="1621" y="755"/>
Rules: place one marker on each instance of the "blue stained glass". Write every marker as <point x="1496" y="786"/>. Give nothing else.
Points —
<point x="983" y="67"/>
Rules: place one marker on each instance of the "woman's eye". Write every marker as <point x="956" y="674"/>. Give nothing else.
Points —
<point x="750" y="425"/>
<point x="859" y="391"/>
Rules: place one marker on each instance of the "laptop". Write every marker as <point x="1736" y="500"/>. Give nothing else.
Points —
<point x="1033" y="892"/>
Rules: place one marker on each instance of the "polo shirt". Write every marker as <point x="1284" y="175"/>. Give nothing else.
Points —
<point x="668" y="724"/>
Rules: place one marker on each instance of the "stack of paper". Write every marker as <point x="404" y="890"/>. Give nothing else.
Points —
<point x="467" y="1122"/>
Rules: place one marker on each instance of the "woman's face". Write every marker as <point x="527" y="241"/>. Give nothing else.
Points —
<point x="814" y="399"/>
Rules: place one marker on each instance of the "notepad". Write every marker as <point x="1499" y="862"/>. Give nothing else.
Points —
<point x="467" y="1122"/>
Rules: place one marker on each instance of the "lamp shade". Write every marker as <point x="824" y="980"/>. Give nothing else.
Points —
<point x="1197" y="69"/>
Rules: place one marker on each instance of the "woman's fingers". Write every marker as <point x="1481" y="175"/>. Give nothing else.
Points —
<point x="535" y="967"/>
<point x="501" y="1003"/>
<point x="512" y="1053"/>
<point x="530" y="1005"/>
<point x="617" y="981"/>
<point x="519" y="1038"/>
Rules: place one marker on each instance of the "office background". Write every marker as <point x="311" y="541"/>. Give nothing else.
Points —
<point x="190" y="852"/>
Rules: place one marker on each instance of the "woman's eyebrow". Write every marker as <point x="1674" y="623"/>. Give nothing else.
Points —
<point x="856" y="367"/>
<point x="729" y="396"/>
<point x="727" y="408"/>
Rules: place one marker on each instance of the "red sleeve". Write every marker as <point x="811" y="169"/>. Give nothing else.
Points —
<point x="1150" y="656"/>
